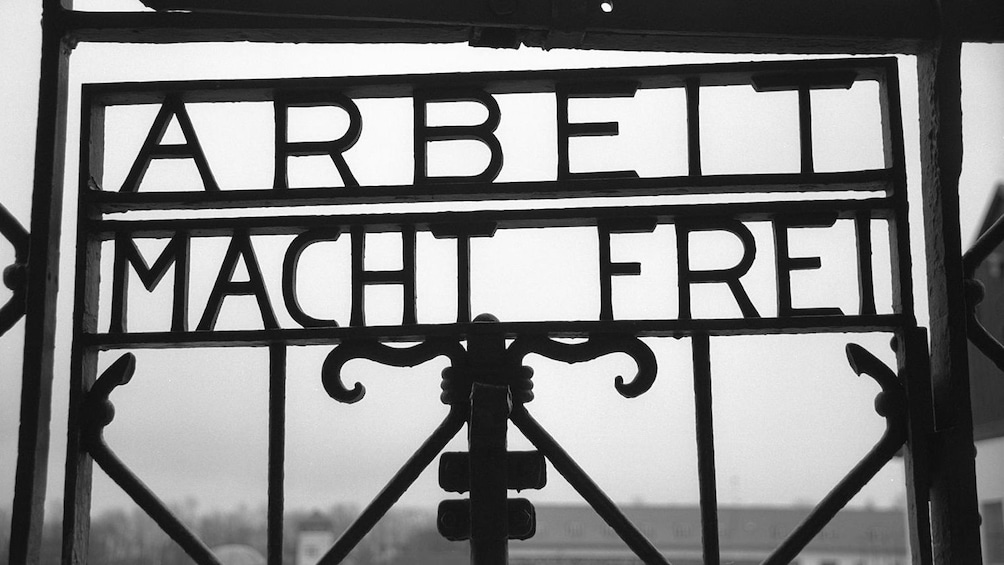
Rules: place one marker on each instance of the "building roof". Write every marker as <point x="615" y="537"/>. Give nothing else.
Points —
<point x="754" y="529"/>
<point x="236" y="554"/>
<point x="316" y="522"/>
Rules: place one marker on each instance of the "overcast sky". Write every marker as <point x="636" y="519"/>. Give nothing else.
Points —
<point x="791" y="417"/>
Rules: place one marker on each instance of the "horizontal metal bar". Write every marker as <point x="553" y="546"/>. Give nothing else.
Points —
<point x="177" y="27"/>
<point x="816" y="27"/>
<point x="492" y="82"/>
<point x="877" y="180"/>
<point x="879" y="208"/>
<point x="572" y="329"/>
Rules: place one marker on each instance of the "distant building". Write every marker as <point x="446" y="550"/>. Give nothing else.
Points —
<point x="237" y="554"/>
<point x="314" y="538"/>
<point x="576" y="535"/>
<point x="987" y="394"/>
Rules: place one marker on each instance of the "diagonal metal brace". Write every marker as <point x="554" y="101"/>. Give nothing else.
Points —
<point x="98" y="412"/>
<point x="891" y="404"/>
<point x="14" y="276"/>
<point x="971" y="260"/>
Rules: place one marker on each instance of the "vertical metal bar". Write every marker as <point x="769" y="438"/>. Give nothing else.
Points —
<point x="895" y="158"/>
<point x="693" y="91"/>
<point x="83" y="360"/>
<point x="409" y="302"/>
<point x="805" y="128"/>
<point x="866" y="276"/>
<point x="490" y="407"/>
<point x="955" y="516"/>
<point x="463" y="278"/>
<point x="911" y="344"/>
<point x="606" y="275"/>
<point x="491" y="404"/>
<point x="40" y="298"/>
<point x="276" y="449"/>
<point x="914" y="370"/>
<point x="701" y="344"/>
<point x="357" y="317"/>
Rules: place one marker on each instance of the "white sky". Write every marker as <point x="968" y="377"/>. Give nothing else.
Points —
<point x="791" y="417"/>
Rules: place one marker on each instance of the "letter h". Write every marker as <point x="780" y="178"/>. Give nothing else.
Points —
<point x="361" y="277"/>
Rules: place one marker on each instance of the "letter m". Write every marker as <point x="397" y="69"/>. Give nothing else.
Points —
<point x="126" y="254"/>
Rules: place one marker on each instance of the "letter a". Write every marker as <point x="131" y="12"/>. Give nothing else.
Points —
<point x="154" y="149"/>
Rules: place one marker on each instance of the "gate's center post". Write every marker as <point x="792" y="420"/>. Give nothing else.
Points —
<point x="490" y="406"/>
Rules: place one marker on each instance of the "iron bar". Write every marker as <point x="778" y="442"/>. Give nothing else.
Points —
<point x="701" y="345"/>
<point x="977" y="333"/>
<point x="875" y="181"/>
<point x="913" y="364"/>
<point x="585" y="486"/>
<point x="276" y="450"/>
<point x="572" y="329"/>
<point x="805" y="129"/>
<point x="83" y="360"/>
<point x="14" y="276"/>
<point x="693" y="91"/>
<point x="895" y="159"/>
<point x="41" y="286"/>
<point x="489" y="508"/>
<point x="403" y="479"/>
<point x="894" y="22"/>
<point x="866" y="281"/>
<point x="490" y="82"/>
<point x="152" y="505"/>
<point x="955" y="521"/>
<point x="881" y="208"/>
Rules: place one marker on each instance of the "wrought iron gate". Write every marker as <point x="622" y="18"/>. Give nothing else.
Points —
<point x="486" y="384"/>
<point x="936" y="429"/>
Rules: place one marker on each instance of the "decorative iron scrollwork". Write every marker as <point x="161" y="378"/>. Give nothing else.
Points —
<point x="331" y="370"/>
<point x="14" y="275"/>
<point x="891" y="402"/>
<point x="98" y="408"/>
<point x="594" y="348"/>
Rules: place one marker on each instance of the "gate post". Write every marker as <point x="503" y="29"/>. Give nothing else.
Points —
<point x="489" y="519"/>
<point x="491" y="403"/>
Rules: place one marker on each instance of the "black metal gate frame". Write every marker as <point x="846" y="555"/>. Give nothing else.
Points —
<point x="488" y="368"/>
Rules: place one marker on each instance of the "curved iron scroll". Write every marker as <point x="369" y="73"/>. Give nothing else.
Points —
<point x="98" y="412"/>
<point x="593" y="348"/>
<point x="14" y="275"/>
<point x="331" y="370"/>
<point x="977" y="332"/>
<point x="891" y="404"/>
